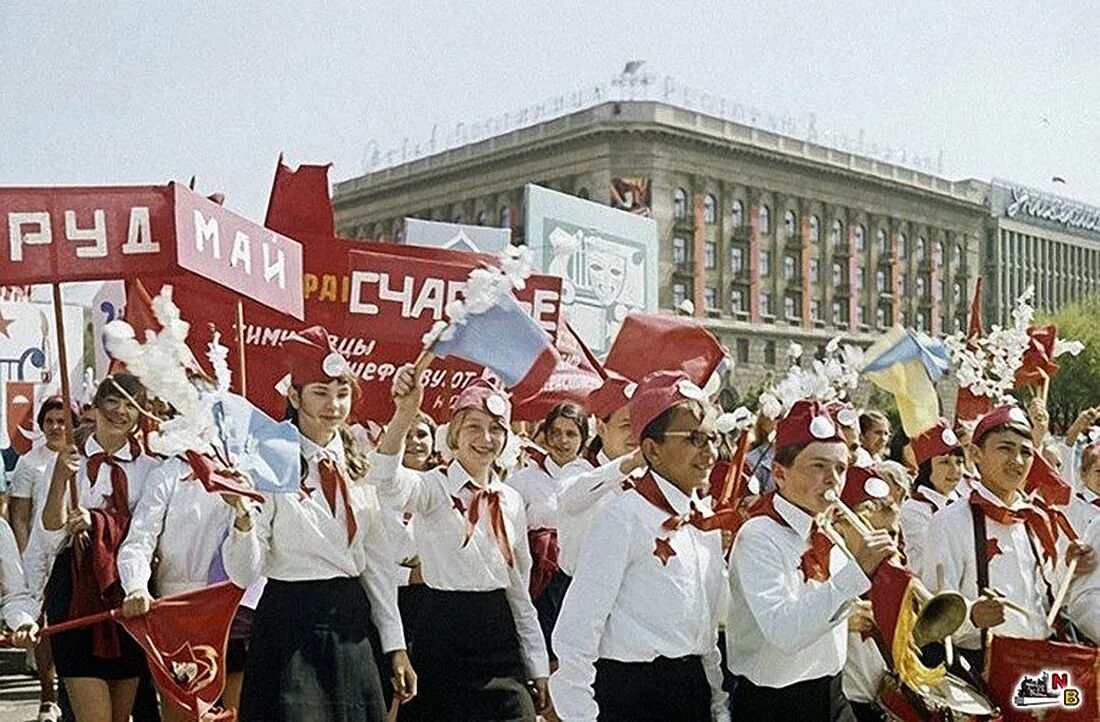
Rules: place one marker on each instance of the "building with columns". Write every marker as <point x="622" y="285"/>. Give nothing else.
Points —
<point x="774" y="238"/>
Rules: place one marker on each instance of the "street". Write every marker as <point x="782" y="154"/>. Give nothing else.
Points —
<point x="18" y="690"/>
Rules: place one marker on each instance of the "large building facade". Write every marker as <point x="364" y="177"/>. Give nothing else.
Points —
<point x="774" y="239"/>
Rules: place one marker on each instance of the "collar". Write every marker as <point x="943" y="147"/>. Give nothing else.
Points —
<point x="456" y="477"/>
<point x="936" y="497"/>
<point x="92" y="447"/>
<point x="1088" y="495"/>
<point x="602" y="458"/>
<point x="681" y="502"/>
<point x="1020" y="501"/>
<point x="798" y="519"/>
<point x="334" y="449"/>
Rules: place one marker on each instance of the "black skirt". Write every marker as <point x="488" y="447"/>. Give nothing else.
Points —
<point x="664" y="690"/>
<point x="72" y="651"/>
<point x="548" y="606"/>
<point x="311" y="655"/>
<point x="813" y="700"/>
<point x="466" y="654"/>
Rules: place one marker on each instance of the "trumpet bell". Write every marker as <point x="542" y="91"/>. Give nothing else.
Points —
<point x="939" y="616"/>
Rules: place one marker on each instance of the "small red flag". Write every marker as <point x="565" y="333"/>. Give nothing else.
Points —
<point x="574" y="377"/>
<point x="651" y="342"/>
<point x="1038" y="363"/>
<point x="974" y="329"/>
<point x="299" y="204"/>
<point x="1044" y="479"/>
<point x="970" y="406"/>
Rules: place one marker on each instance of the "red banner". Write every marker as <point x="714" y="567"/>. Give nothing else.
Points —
<point x="52" y="235"/>
<point x="398" y="291"/>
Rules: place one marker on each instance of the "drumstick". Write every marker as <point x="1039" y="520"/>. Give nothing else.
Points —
<point x="948" y="645"/>
<point x="1062" y="591"/>
<point x="1008" y="602"/>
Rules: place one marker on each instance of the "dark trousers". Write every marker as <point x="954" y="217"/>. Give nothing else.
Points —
<point x="814" y="700"/>
<point x="865" y="712"/>
<point x="664" y="690"/>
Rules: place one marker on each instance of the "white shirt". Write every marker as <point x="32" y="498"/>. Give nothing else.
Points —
<point x="295" y="537"/>
<point x="16" y="602"/>
<point x="583" y="491"/>
<point x="1083" y="508"/>
<point x="864" y="669"/>
<point x="31" y="479"/>
<point x="440" y="529"/>
<point x="913" y="516"/>
<point x="625" y="605"/>
<point x="539" y="486"/>
<point x="1014" y="572"/>
<point x="1083" y="604"/>
<point x="782" y="628"/>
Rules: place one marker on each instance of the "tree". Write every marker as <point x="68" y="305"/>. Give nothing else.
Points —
<point x="1076" y="385"/>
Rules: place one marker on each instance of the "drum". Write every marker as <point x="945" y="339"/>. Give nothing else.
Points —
<point x="1036" y="678"/>
<point x="951" y="700"/>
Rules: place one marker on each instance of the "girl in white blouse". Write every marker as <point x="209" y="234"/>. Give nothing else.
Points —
<point x="327" y="559"/>
<point x="477" y="640"/>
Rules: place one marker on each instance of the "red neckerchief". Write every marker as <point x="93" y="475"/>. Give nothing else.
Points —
<point x="815" y="560"/>
<point x="647" y="488"/>
<point x="496" y="519"/>
<point x="120" y="493"/>
<point x="1032" y="519"/>
<point x="1059" y="522"/>
<point x="333" y="483"/>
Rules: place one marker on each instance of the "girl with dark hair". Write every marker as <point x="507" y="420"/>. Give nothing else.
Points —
<point x="477" y="641"/>
<point x="99" y="665"/>
<point x="940" y="462"/>
<point x="565" y="430"/>
<point x="327" y="559"/>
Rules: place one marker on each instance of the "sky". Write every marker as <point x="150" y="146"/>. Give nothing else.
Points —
<point x="118" y="93"/>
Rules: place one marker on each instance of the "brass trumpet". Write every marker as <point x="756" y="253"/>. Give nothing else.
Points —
<point x="939" y="614"/>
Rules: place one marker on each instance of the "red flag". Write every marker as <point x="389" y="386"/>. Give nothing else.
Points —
<point x="733" y="484"/>
<point x="576" y="374"/>
<point x="974" y="329"/>
<point x="969" y="406"/>
<point x="647" y="343"/>
<point x="1038" y="363"/>
<point x="216" y="479"/>
<point x="1044" y="479"/>
<point x="184" y="638"/>
<point x="299" y="204"/>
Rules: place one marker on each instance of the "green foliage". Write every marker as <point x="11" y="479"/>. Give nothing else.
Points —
<point x="1077" y="384"/>
<point x="884" y="402"/>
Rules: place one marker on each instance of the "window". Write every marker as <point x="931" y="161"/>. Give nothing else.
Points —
<point x="815" y="309"/>
<point x="937" y="253"/>
<point x="920" y="249"/>
<point x="737" y="301"/>
<point x="838" y="274"/>
<point x="789" y="307"/>
<point x="920" y="287"/>
<point x="862" y="278"/>
<point x="765" y="304"/>
<point x="880" y="317"/>
<point x="861" y="238"/>
<point x="737" y="214"/>
<point x="957" y="293"/>
<point x="788" y="267"/>
<point x="769" y="353"/>
<point x="956" y="260"/>
<point x="903" y="286"/>
<point x="737" y="259"/>
<point x="710" y="251"/>
<point x="919" y="322"/>
<point x="790" y="223"/>
<point x="679" y="294"/>
<point x="880" y="281"/>
<point x="710" y="210"/>
<point x="482" y="218"/>
<point x="903" y="246"/>
<point x="836" y="234"/>
<point x="838" y="312"/>
<point x="880" y="243"/>
<point x="815" y="229"/>
<point x="505" y="217"/>
<point x="679" y="204"/>
<point x="679" y="252"/>
<point x="859" y="314"/>
<point x="742" y="350"/>
<point x="765" y="263"/>
<point x="765" y="220"/>
<point x="813" y="270"/>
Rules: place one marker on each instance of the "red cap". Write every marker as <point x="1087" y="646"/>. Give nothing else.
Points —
<point x="805" y="423"/>
<point x="862" y="485"/>
<point x="1006" y="415"/>
<point x="659" y="392"/>
<point x="936" y="441"/>
<point x="612" y="395"/>
<point x="311" y="357"/>
<point x="843" y="413"/>
<point x="483" y="396"/>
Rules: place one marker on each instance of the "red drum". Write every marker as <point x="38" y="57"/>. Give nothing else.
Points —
<point x="1036" y="679"/>
<point x="952" y="700"/>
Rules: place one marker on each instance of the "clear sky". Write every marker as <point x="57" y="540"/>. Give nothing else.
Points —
<point x="106" y="93"/>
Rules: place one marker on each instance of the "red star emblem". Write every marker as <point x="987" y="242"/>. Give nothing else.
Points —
<point x="457" y="504"/>
<point x="4" y="323"/>
<point x="663" y="550"/>
<point x="992" y="548"/>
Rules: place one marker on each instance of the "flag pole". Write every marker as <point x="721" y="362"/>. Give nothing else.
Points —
<point x="240" y="346"/>
<point x="63" y="372"/>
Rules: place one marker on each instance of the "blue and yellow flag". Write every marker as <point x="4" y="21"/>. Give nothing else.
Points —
<point x="908" y="364"/>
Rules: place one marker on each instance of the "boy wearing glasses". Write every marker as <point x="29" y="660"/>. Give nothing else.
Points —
<point x="637" y="635"/>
